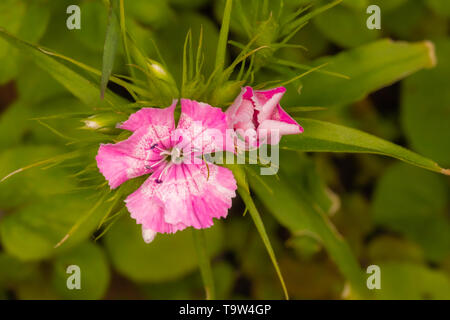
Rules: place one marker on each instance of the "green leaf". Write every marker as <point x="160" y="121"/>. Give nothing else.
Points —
<point x="302" y="170"/>
<point x="94" y="272"/>
<point x="406" y="26"/>
<point x="31" y="232"/>
<point x="17" y="124"/>
<point x="294" y="209"/>
<point x="84" y="45"/>
<point x="320" y="136"/>
<point x="426" y="108"/>
<point x="13" y="271"/>
<point x="156" y="13"/>
<point x="204" y="263"/>
<point x="300" y="22"/>
<point x="355" y="4"/>
<point x="94" y="25"/>
<point x="441" y="8"/>
<point x="64" y="104"/>
<point x="369" y="67"/>
<point x="244" y="192"/>
<point x="169" y="256"/>
<point x="33" y="184"/>
<point x="26" y="20"/>
<point x="110" y="48"/>
<point x="400" y="250"/>
<point x="403" y="281"/>
<point x="352" y="30"/>
<point x="171" y="50"/>
<point x="125" y="40"/>
<point x="12" y="125"/>
<point x="188" y="4"/>
<point x="414" y="202"/>
<point x="387" y="6"/>
<point x="82" y="88"/>
<point x="35" y="24"/>
<point x="36" y="86"/>
<point x="223" y="37"/>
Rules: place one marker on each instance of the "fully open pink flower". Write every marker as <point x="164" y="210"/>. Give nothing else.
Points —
<point x="182" y="190"/>
<point x="257" y="117"/>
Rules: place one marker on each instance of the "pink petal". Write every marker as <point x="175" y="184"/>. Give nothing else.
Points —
<point x="186" y="197"/>
<point x="132" y="157"/>
<point x="148" y="235"/>
<point x="203" y="127"/>
<point x="273" y="130"/>
<point x="283" y="116"/>
<point x="151" y="117"/>
<point x="245" y="113"/>
<point x="267" y="101"/>
<point x="233" y="112"/>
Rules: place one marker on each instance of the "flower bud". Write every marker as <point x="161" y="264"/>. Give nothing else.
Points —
<point x="161" y="80"/>
<point x="159" y="71"/>
<point x="105" y="122"/>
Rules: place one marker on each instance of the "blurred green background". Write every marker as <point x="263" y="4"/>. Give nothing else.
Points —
<point x="391" y="214"/>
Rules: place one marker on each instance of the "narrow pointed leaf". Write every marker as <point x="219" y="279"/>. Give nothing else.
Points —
<point x="79" y="86"/>
<point x="244" y="192"/>
<point x="369" y="67"/>
<point x="110" y="48"/>
<point x="295" y="211"/>
<point x="204" y="263"/>
<point x="223" y="36"/>
<point x="320" y="136"/>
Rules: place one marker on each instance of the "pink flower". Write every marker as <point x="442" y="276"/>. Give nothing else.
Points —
<point x="182" y="190"/>
<point x="257" y="117"/>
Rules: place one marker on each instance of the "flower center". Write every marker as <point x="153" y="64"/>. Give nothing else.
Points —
<point x="176" y="155"/>
<point x="169" y="158"/>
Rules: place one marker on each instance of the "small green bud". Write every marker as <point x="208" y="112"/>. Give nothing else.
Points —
<point x="105" y="122"/>
<point x="161" y="80"/>
<point x="158" y="70"/>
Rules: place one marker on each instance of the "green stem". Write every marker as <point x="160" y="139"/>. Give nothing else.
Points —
<point x="204" y="263"/>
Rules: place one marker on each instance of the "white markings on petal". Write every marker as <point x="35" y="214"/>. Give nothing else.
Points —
<point x="148" y="235"/>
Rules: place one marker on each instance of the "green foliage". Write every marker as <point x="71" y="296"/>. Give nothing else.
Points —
<point x="293" y="207"/>
<point x="427" y="128"/>
<point x="321" y="219"/>
<point x="82" y="88"/>
<point x="169" y="257"/>
<point x="414" y="202"/>
<point x="32" y="232"/>
<point x="110" y="48"/>
<point x="28" y="21"/>
<point x="22" y="188"/>
<point x="94" y="272"/>
<point x="12" y="270"/>
<point x="244" y="192"/>
<point x="413" y="282"/>
<point x="320" y="136"/>
<point x="369" y="68"/>
<point x="95" y="21"/>
<point x="440" y="7"/>
<point x="350" y="20"/>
